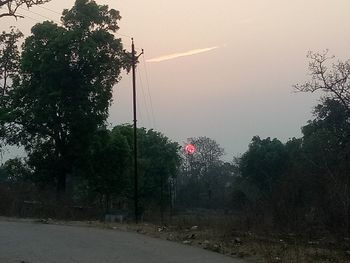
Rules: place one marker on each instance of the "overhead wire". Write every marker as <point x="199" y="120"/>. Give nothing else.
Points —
<point x="30" y="11"/>
<point x="26" y="16"/>
<point x="149" y="91"/>
<point x="144" y="98"/>
<point x="138" y="113"/>
<point x="48" y="9"/>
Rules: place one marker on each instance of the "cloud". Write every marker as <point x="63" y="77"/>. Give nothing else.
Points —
<point x="183" y="54"/>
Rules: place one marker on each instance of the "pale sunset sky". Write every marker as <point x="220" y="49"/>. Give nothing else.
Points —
<point x="222" y="69"/>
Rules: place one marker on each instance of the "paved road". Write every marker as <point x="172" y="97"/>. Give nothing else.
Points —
<point x="42" y="243"/>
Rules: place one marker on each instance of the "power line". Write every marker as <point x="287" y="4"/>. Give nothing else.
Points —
<point x="48" y="9"/>
<point x="25" y="16"/>
<point x="27" y="10"/>
<point x="149" y="92"/>
<point x="139" y="112"/>
<point x="144" y="98"/>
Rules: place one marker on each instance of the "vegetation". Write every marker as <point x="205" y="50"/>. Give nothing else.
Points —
<point x="204" y="179"/>
<point x="61" y="95"/>
<point x="303" y="185"/>
<point x="54" y="101"/>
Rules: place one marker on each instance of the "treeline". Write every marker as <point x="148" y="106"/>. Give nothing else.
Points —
<point x="104" y="181"/>
<point x="304" y="184"/>
<point x="204" y="180"/>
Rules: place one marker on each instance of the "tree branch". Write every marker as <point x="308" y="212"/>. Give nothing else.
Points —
<point x="335" y="82"/>
<point x="13" y="5"/>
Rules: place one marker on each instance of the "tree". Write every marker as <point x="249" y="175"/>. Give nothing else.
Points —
<point x="203" y="174"/>
<point x="304" y="184"/>
<point x="16" y="171"/>
<point x="262" y="168"/>
<point x="326" y="147"/>
<point x="11" y="6"/>
<point x="208" y="153"/>
<point x="109" y="164"/>
<point x="326" y="140"/>
<point x="160" y="159"/>
<point x="9" y="58"/>
<point x="9" y="65"/>
<point x="64" y="90"/>
<point x="263" y="163"/>
<point x="158" y="164"/>
<point x="334" y="81"/>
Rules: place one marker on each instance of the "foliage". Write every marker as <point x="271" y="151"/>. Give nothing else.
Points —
<point x="9" y="58"/>
<point x="64" y="89"/>
<point x="208" y="153"/>
<point x="263" y="163"/>
<point x="158" y="163"/>
<point x="204" y="179"/>
<point x="109" y="173"/>
<point x="304" y="184"/>
<point x="15" y="171"/>
<point x="326" y="139"/>
<point x="9" y="64"/>
<point x="326" y="145"/>
<point x="109" y="165"/>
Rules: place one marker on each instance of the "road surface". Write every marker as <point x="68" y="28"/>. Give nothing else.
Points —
<point x="43" y="243"/>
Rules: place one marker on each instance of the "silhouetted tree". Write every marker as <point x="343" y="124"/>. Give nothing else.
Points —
<point x="64" y="89"/>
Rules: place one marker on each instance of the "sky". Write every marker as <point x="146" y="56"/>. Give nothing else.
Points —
<point x="222" y="69"/>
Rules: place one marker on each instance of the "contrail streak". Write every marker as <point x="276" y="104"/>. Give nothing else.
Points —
<point x="183" y="54"/>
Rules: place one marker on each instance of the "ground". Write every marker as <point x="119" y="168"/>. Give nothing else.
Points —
<point x="30" y="242"/>
<point x="236" y="245"/>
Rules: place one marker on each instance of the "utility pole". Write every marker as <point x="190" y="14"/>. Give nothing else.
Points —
<point x="136" y="184"/>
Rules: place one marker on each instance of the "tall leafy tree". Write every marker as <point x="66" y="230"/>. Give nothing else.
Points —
<point x="326" y="148"/>
<point x="64" y="89"/>
<point x="326" y="140"/>
<point x="264" y="163"/>
<point x="262" y="168"/>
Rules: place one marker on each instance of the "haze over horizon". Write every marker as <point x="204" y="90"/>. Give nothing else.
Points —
<point x="222" y="69"/>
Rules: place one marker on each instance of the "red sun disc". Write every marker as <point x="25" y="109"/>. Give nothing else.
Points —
<point x="190" y="149"/>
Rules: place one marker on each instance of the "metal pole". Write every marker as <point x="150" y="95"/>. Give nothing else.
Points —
<point x="136" y="197"/>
